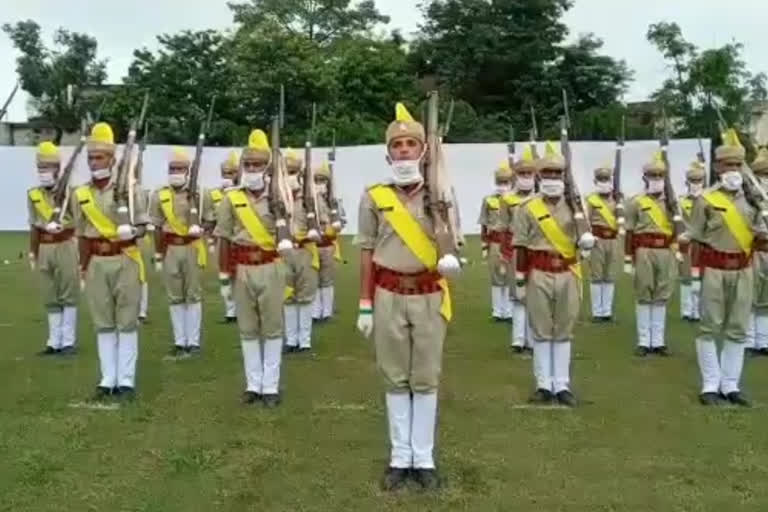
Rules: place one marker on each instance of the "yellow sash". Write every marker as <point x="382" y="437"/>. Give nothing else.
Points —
<point x="513" y="199"/>
<point x="166" y="196"/>
<point x="106" y="227"/>
<point x="216" y="196"/>
<point x="44" y="209"/>
<point x="554" y="233"/>
<point x="735" y="222"/>
<point x="312" y="248"/>
<point x="601" y="206"/>
<point x="686" y="204"/>
<point x="493" y="202"/>
<point x="657" y="215"/>
<point x="410" y="232"/>
<point x="259" y="234"/>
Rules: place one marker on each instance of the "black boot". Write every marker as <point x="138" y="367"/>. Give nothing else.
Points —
<point x="394" y="479"/>
<point x="736" y="398"/>
<point x="251" y="397"/>
<point x="710" y="399"/>
<point x="428" y="479"/>
<point x="641" y="351"/>
<point x="271" y="401"/>
<point x="566" y="398"/>
<point x="661" y="351"/>
<point x="101" y="394"/>
<point x="48" y="351"/>
<point x="126" y="394"/>
<point x="542" y="397"/>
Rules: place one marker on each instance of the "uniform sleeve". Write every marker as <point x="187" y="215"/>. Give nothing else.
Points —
<point x="522" y="227"/>
<point x="758" y="225"/>
<point x="225" y="223"/>
<point x="368" y="223"/>
<point x="209" y="210"/>
<point x="140" y="217"/>
<point x="483" y="219"/>
<point x="698" y="221"/>
<point x="32" y="213"/>
<point x="630" y="215"/>
<point x="77" y="215"/>
<point x="155" y="211"/>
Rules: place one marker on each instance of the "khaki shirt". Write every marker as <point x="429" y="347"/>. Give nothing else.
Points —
<point x="37" y="221"/>
<point x="299" y="220"/>
<point x="375" y="233"/>
<point x="180" y="209"/>
<point x="492" y="218"/>
<point x="229" y="227"/>
<point x="105" y="201"/>
<point x="638" y="220"/>
<point x="210" y="206"/>
<point x="509" y="213"/>
<point x="594" y="215"/>
<point x="529" y="235"/>
<point x="686" y="214"/>
<point x="707" y="225"/>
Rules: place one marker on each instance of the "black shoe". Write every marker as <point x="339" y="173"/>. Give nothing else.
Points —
<point x="517" y="349"/>
<point x="528" y="350"/>
<point x="271" y="401"/>
<point x="641" y="351"/>
<point x="228" y="320"/>
<point x="607" y="319"/>
<point x="126" y="394"/>
<point x="143" y="320"/>
<point x="428" y="479"/>
<point x="763" y="352"/>
<point x="177" y="351"/>
<point x="251" y="397"/>
<point x="102" y="394"/>
<point x="661" y="351"/>
<point x="687" y="318"/>
<point x="48" y="351"/>
<point x="394" y="479"/>
<point x="290" y="349"/>
<point x="597" y="320"/>
<point x="68" y="351"/>
<point x="304" y="350"/>
<point x="710" y="399"/>
<point x="193" y="351"/>
<point x="497" y="319"/>
<point x="736" y="398"/>
<point x="567" y="399"/>
<point x="542" y="396"/>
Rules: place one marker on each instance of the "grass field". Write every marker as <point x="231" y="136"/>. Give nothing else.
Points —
<point x="641" y="444"/>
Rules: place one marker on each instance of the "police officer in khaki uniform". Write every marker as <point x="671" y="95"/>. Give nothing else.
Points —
<point x="180" y="254"/>
<point x="724" y="224"/>
<point x="757" y="331"/>
<point x="324" y="300"/>
<point x="648" y="255"/>
<point x="302" y="264"/>
<point x="53" y="251"/>
<point x="404" y="303"/>
<point x="548" y="276"/>
<point x="690" y="290"/>
<point x="493" y="233"/>
<point x="247" y="253"/>
<point x="605" y="258"/>
<point x="525" y="187"/>
<point x="230" y="169"/>
<point x="111" y="266"/>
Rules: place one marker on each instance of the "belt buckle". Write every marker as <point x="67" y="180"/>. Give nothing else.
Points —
<point x="556" y="263"/>
<point x="104" y="247"/>
<point x="408" y="282"/>
<point x="732" y="263"/>
<point x="47" y="237"/>
<point x="255" y="257"/>
<point x="658" y="242"/>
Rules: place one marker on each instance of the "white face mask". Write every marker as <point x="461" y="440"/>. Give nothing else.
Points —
<point x="253" y="180"/>
<point x="604" y="187"/>
<point x="732" y="180"/>
<point x="227" y="182"/>
<point x="46" y="179"/>
<point x="695" y="189"/>
<point x="656" y="185"/>
<point x="101" y="174"/>
<point x="503" y="189"/>
<point x="177" y="180"/>
<point x="293" y="181"/>
<point x="525" y="183"/>
<point x="321" y="188"/>
<point x="407" y="172"/>
<point x="552" y="187"/>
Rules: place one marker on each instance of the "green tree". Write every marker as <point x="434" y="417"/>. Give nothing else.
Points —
<point x="61" y="79"/>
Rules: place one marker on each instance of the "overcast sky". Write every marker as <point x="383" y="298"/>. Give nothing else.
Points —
<point x="120" y="27"/>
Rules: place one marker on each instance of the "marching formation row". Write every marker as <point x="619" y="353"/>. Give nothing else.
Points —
<point x="274" y="223"/>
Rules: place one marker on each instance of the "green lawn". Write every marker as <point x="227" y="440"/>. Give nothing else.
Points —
<point x="642" y="443"/>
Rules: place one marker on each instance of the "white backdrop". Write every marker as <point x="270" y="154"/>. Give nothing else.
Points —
<point x="471" y="167"/>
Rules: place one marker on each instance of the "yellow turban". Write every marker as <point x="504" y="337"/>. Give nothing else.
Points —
<point x="404" y="126"/>
<point x="552" y="158"/>
<point x="760" y="165"/>
<point x="323" y="170"/>
<point x="258" y="146"/>
<point x="102" y="138"/>
<point x="696" y="171"/>
<point x="731" y="149"/>
<point x="527" y="162"/>
<point x="504" y="171"/>
<point x="292" y="160"/>
<point x="232" y="163"/>
<point x="656" y="165"/>
<point x="48" y="153"/>
<point x="604" y="171"/>
<point x="179" y="156"/>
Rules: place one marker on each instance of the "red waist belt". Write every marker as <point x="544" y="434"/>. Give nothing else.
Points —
<point x="604" y="232"/>
<point x="105" y="247"/>
<point x="495" y="237"/>
<point x="421" y="283"/>
<point x="651" y="241"/>
<point x="711" y="258"/>
<point x="247" y="255"/>
<point x="549" y="261"/>
<point x="54" y="238"/>
<point x="173" y="239"/>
